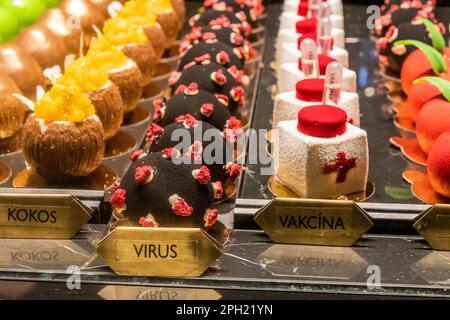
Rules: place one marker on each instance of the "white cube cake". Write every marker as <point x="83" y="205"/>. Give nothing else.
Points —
<point x="321" y="168"/>
<point x="289" y="19"/>
<point x="290" y="53"/>
<point x="336" y="6"/>
<point x="291" y="35"/>
<point x="288" y="104"/>
<point x="290" y="75"/>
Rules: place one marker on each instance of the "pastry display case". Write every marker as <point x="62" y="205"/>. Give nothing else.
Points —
<point x="214" y="214"/>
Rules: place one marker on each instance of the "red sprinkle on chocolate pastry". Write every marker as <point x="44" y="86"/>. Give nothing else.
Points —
<point x="159" y="107"/>
<point x="170" y="153"/>
<point x="241" y="16"/>
<point x="189" y="64"/>
<point x="202" y="175"/>
<point x="211" y="217"/>
<point x="206" y="58"/>
<point x="234" y="123"/>
<point x="220" y="21"/>
<point x="148" y="222"/>
<point x="180" y="206"/>
<point x="342" y="165"/>
<point x="193" y="20"/>
<point x="239" y="51"/>
<point x="236" y="38"/>
<point x="143" y="175"/>
<point x="223" y="99"/>
<point x="188" y="120"/>
<point x="222" y="57"/>
<point x="219" y="77"/>
<point x="173" y="78"/>
<point x="218" y="190"/>
<point x="180" y="88"/>
<point x="118" y="199"/>
<point x="233" y="170"/>
<point x="207" y="109"/>
<point x="237" y="93"/>
<point x="194" y="35"/>
<point x="230" y="135"/>
<point x="191" y="89"/>
<point x="209" y="37"/>
<point x="154" y="132"/>
<point x="136" y="155"/>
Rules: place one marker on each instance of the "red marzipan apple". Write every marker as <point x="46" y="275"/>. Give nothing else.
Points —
<point x="439" y="164"/>
<point x="420" y="94"/>
<point x="417" y="66"/>
<point x="433" y="120"/>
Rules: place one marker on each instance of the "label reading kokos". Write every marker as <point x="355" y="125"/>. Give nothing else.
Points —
<point x="41" y="216"/>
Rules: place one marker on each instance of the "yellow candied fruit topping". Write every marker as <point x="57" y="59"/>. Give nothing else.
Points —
<point x="106" y="56"/>
<point x="121" y="32"/>
<point x="156" y="6"/>
<point x="85" y="74"/>
<point x="137" y="14"/>
<point x="65" y="101"/>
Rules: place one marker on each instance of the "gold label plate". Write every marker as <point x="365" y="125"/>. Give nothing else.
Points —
<point x="41" y="216"/>
<point x="314" y="222"/>
<point x="169" y="252"/>
<point x="434" y="226"/>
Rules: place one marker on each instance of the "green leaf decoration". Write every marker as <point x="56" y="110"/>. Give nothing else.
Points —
<point x="436" y="36"/>
<point x="442" y="84"/>
<point x="434" y="56"/>
<point x="398" y="193"/>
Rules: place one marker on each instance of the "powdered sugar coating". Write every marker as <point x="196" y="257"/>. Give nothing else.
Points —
<point x="300" y="161"/>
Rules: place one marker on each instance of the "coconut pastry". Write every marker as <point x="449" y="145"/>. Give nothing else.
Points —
<point x="103" y="93"/>
<point x="103" y="5"/>
<point x="321" y="155"/>
<point x="132" y="40"/>
<point x="200" y="104"/>
<point x="166" y="17"/>
<point x="122" y="71"/>
<point x="55" y="20"/>
<point x="135" y="13"/>
<point x="63" y="139"/>
<point x="201" y="143"/>
<point x="315" y="91"/>
<point x="22" y="69"/>
<point x="84" y="14"/>
<point x="226" y="85"/>
<point x="12" y="112"/>
<point x="162" y="190"/>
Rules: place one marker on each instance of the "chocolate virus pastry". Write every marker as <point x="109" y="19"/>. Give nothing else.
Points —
<point x="202" y="105"/>
<point x="157" y="191"/>
<point x="392" y="5"/>
<point x="212" y="51"/>
<point x="202" y="143"/>
<point x="240" y="7"/>
<point x="393" y="57"/>
<point x="220" y="18"/>
<point x="402" y="15"/>
<point x="224" y="84"/>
